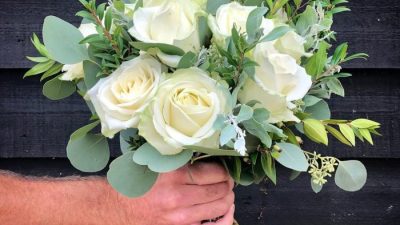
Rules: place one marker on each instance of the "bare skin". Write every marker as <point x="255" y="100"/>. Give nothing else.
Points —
<point x="183" y="197"/>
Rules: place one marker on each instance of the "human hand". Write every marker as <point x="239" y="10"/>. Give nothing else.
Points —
<point x="187" y="196"/>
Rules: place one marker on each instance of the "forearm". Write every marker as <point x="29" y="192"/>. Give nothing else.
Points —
<point x="59" y="201"/>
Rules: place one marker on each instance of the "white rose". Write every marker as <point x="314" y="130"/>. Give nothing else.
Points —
<point x="232" y="14"/>
<point x="292" y="44"/>
<point x="184" y="111"/>
<point x="75" y="71"/>
<point x="120" y="98"/>
<point x="173" y="22"/>
<point x="278" y="80"/>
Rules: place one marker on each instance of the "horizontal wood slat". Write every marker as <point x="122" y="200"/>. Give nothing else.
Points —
<point x="290" y="202"/>
<point x="33" y="126"/>
<point x="372" y="27"/>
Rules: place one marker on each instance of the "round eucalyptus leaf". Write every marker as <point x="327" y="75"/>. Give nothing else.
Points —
<point x="89" y="153"/>
<point x="129" y="178"/>
<point x="292" y="157"/>
<point x="351" y="175"/>
<point x="319" y="111"/>
<point x="124" y="137"/>
<point x="91" y="70"/>
<point x="62" y="41"/>
<point x="147" y="155"/>
<point x="56" y="89"/>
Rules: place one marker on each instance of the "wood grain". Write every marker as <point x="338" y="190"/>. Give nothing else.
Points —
<point x="372" y="27"/>
<point x="288" y="203"/>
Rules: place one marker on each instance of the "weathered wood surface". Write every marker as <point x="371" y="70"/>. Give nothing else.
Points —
<point x="372" y="27"/>
<point x="34" y="126"/>
<point x="290" y="202"/>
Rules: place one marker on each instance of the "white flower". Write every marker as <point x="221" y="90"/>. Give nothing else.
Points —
<point x="278" y="80"/>
<point x="183" y="112"/>
<point x="172" y="22"/>
<point x="120" y="98"/>
<point x="232" y="14"/>
<point x="75" y="71"/>
<point x="292" y="44"/>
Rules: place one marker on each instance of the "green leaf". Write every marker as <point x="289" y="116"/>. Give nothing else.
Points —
<point x="338" y="135"/>
<point x="204" y="30"/>
<point x="69" y="51"/>
<point x="294" y="174"/>
<point x="316" y="64"/>
<point x="245" y="113"/>
<point x="316" y="187"/>
<point x="339" y="9"/>
<point x="276" y="33"/>
<point x="84" y="130"/>
<point x="315" y="130"/>
<point x="364" y="123"/>
<point x="335" y="86"/>
<point x="347" y="131"/>
<point x="56" y="89"/>
<point x="89" y="153"/>
<point x="227" y="134"/>
<point x="147" y="155"/>
<point x="340" y="53"/>
<point x="367" y="135"/>
<point x="38" y="59"/>
<point x="213" y="5"/>
<point x="55" y="69"/>
<point x="129" y="178"/>
<point x="292" y="157"/>
<point x="108" y="19"/>
<point x="91" y="70"/>
<point x="310" y="100"/>
<point x="291" y="136"/>
<point x="351" y="175"/>
<point x="213" y="152"/>
<point x="254" y="21"/>
<point x="124" y="137"/>
<point x="268" y="165"/>
<point x="187" y="60"/>
<point x="319" y="111"/>
<point x="39" y="68"/>
<point x="167" y="49"/>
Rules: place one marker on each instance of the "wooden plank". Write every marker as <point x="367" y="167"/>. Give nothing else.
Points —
<point x="378" y="203"/>
<point x="372" y="27"/>
<point x="36" y="127"/>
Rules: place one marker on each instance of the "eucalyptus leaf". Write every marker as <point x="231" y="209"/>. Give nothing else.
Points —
<point x="227" y="134"/>
<point x="245" y="113"/>
<point x="276" y="33"/>
<point x="351" y="175"/>
<point x="292" y="157"/>
<point x="91" y="70"/>
<point x="56" y="89"/>
<point x="187" y="60"/>
<point x="319" y="111"/>
<point x="213" y="5"/>
<point x="124" y="137"/>
<point x="254" y="21"/>
<point x="84" y="130"/>
<point x="69" y="51"/>
<point x="89" y="153"/>
<point x="147" y="155"/>
<point x="129" y="178"/>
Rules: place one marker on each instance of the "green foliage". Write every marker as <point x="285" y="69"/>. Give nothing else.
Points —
<point x="351" y="175"/>
<point x="56" y="89"/>
<point x="147" y="155"/>
<point x="276" y="33"/>
<point x="128" y="140"/>
<point x="84" y="130"/>
<point x="254" y="20"/>
<point x="129" y="178"/>
<point x="319" y="111"/>
<point x="92" y="73"/>
<point x="292" y="157"/>
<point x="268" y="165"/>
<point x="213" y="152"/>
<point x="316" y="187"/>
<point x="70" y="51"/>
<point x="212" y="6"/>
<point x="188" y="60"/>
<point x="315" y="130"/>
<point x="88" y="153"/>
<point x="167" y="49"/>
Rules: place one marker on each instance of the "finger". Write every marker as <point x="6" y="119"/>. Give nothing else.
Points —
<point x="206" y="173"/>
<point x="227" y="219"/>
<point x="200" y="194"/>
<point x="196" y="213"/>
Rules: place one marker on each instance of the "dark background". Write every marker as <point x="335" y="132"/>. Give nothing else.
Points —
<point x="34" y="130"/>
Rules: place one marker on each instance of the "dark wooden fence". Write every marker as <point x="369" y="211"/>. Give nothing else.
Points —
<point x="34" y="130"/>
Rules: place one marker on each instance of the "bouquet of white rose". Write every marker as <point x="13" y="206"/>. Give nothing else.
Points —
<point x="185" y="80"/>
